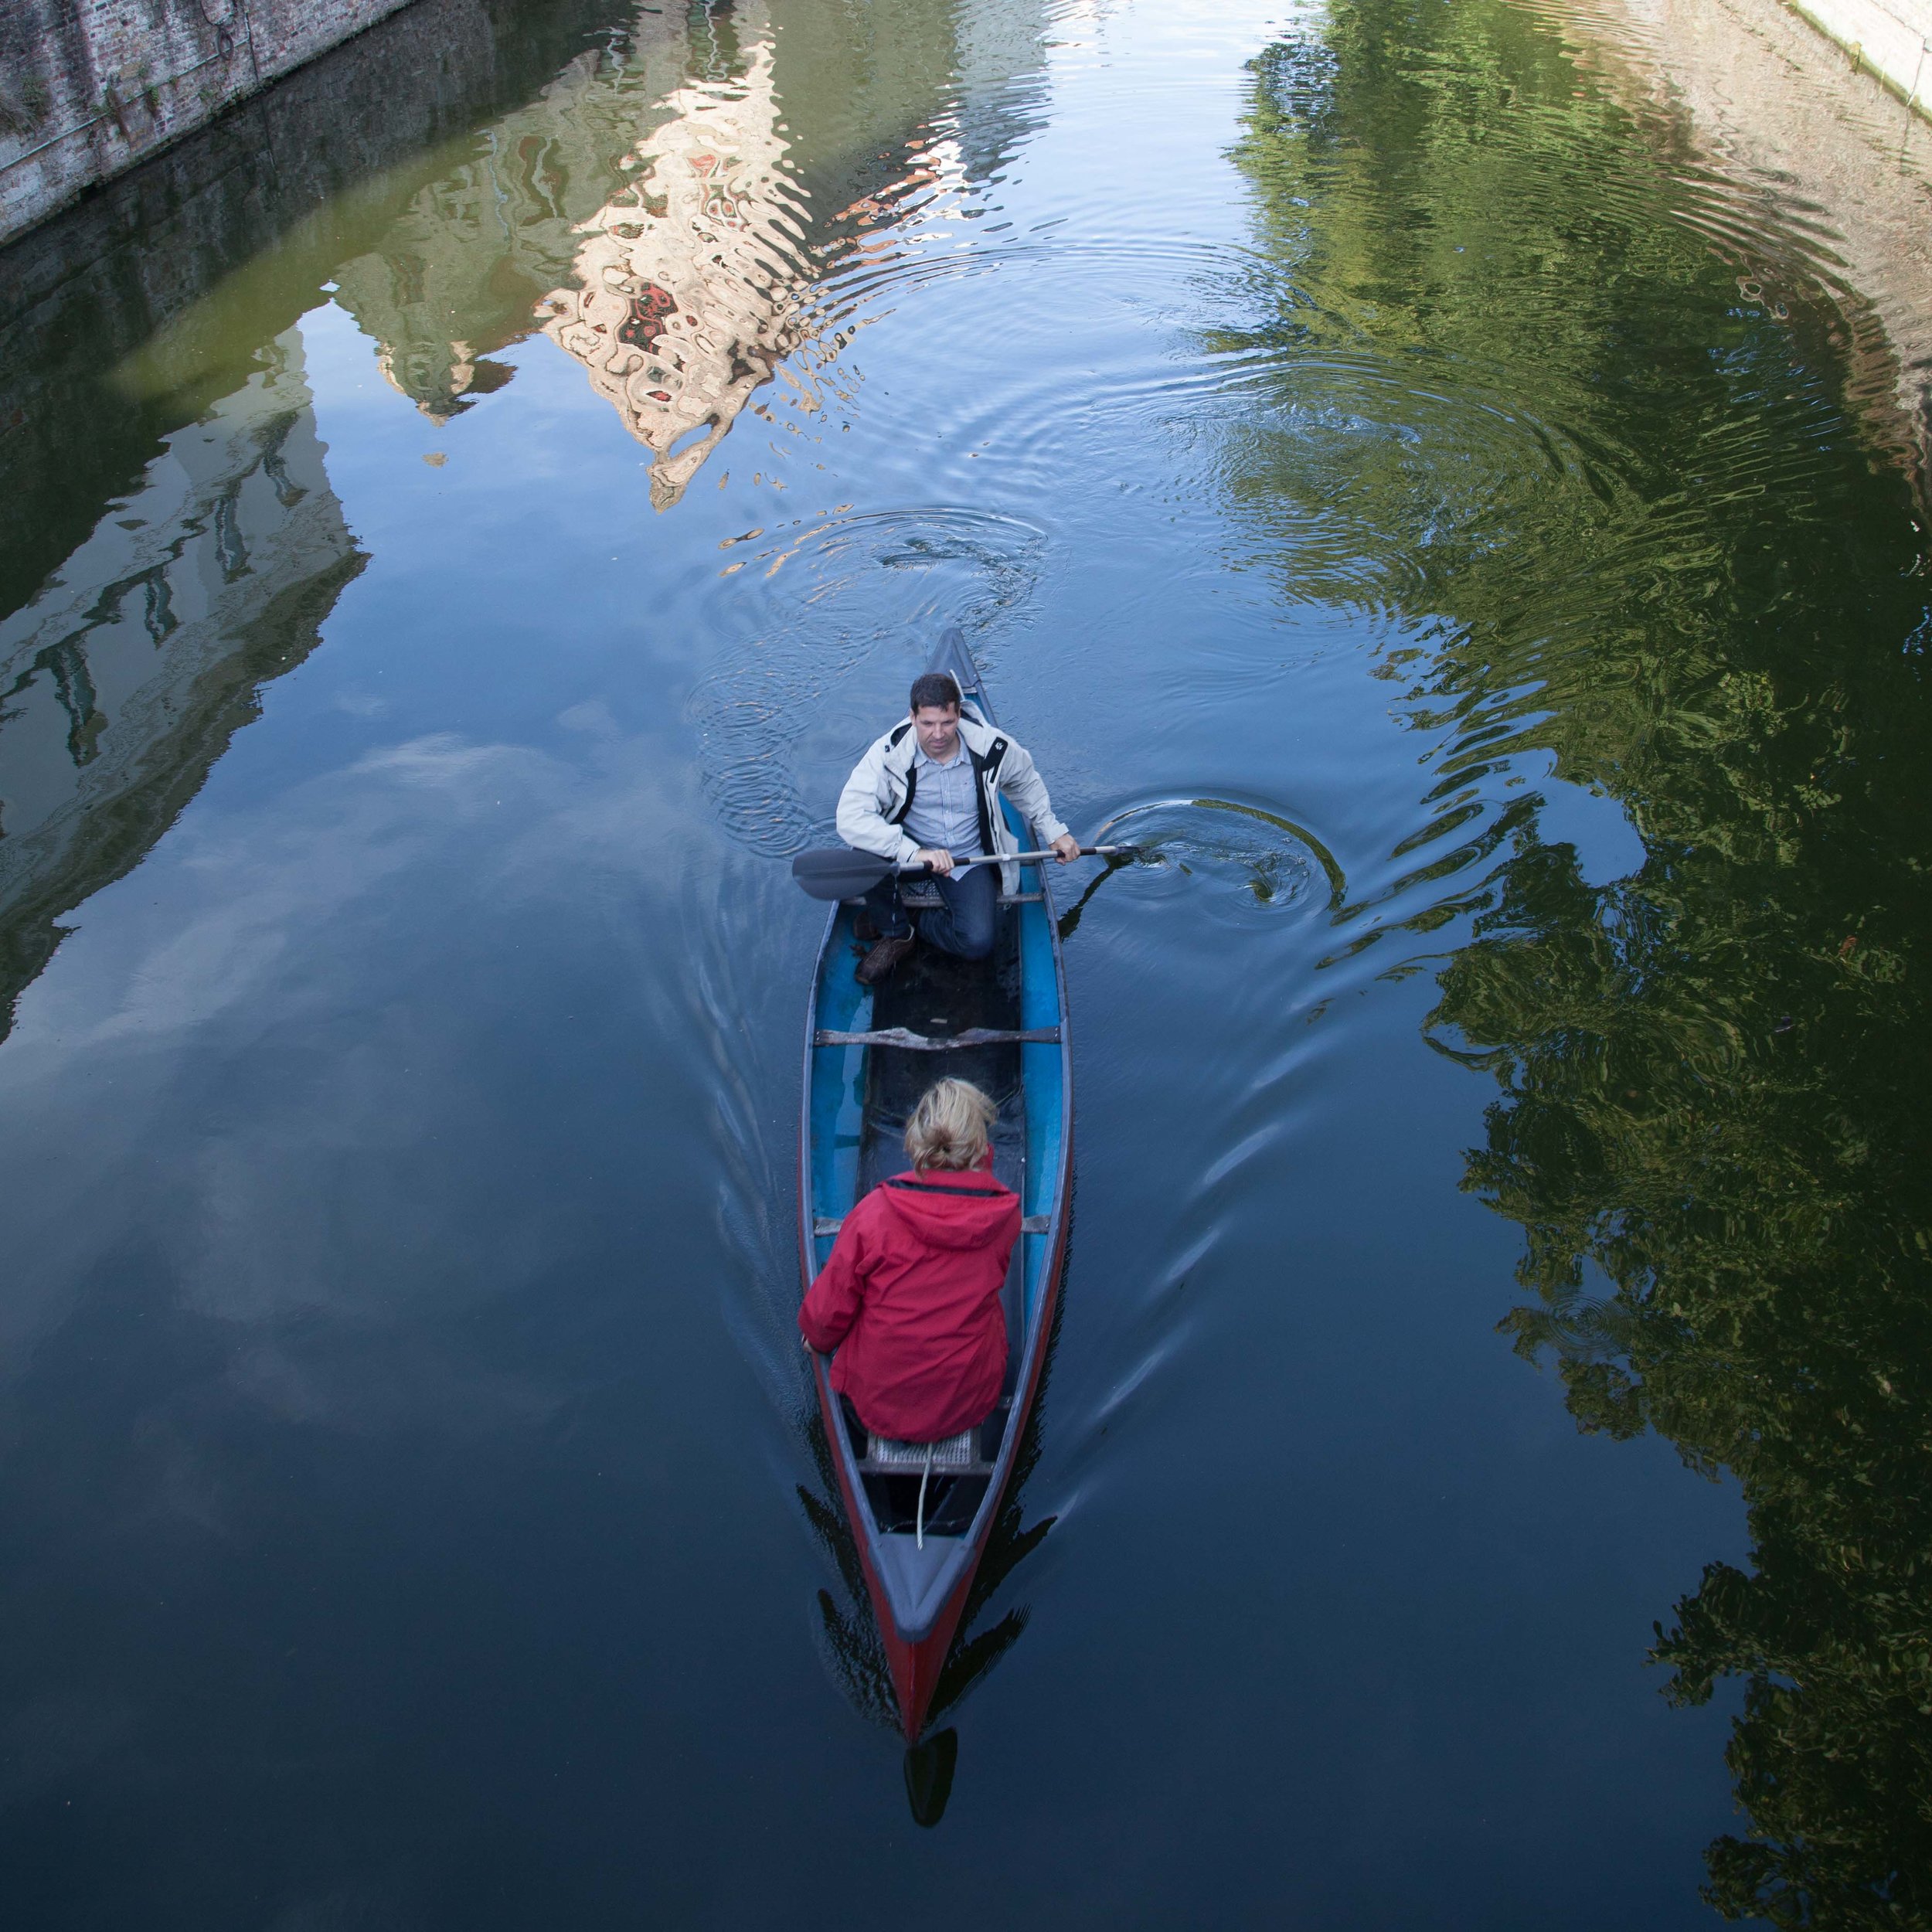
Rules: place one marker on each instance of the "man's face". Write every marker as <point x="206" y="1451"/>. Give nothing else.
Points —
<point x="938" y="731"/>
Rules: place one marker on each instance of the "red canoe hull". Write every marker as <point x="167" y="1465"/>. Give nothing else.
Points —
<point x="916" y="1663"/>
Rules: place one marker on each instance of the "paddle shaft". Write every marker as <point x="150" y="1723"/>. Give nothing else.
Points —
<point x="1007" y="858"/>
<point x="845" y="873"/>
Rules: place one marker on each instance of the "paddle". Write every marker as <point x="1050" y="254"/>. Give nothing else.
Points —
<point x="839" y="873"/>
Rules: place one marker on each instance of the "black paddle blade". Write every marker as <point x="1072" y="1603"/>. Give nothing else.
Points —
<point x="839" y="873"/>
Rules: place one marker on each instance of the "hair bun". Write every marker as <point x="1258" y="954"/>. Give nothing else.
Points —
<point x="948" y="1127"/>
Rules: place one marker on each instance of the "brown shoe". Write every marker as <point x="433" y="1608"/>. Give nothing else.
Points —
<point x="884" y="956"/>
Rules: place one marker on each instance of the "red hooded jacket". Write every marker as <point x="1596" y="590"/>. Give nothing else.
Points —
<point x="910" y="1301"/>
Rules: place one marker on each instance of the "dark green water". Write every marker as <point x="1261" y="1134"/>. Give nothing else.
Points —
<point x="1482" y="1477"/>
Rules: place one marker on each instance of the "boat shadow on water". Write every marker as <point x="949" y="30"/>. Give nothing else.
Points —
<point x="849" y="1631"/>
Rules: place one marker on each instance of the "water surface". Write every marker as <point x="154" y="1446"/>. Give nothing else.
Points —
<point x="1472" y="542"/>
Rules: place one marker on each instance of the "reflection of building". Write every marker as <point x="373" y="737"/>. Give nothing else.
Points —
<point x="459" y="272"/>
<point x="123" y="681"/>
<point x="690" y="280"/>
<point x="127" y="317"/>
<point x="644" y="220"/>
<point x="666" y="230"/>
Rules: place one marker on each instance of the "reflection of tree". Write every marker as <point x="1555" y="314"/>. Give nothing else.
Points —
<point x="1623" y="520"/>
<point x="1711" y="1102"/>
<point x="459" y="270"/>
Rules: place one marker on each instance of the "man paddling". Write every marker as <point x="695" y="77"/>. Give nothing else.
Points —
<point x="927" y="793"/>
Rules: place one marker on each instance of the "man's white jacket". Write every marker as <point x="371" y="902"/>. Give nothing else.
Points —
<point x="879" y="793"/>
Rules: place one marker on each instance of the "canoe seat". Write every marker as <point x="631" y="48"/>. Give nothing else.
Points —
<point x="928" y="1043"/>
<point x="957" y="1456"/>
<point x="909" y="1458"/>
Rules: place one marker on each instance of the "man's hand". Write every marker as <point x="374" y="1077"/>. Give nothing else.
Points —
<point x="1066" y="848"/>
<point x="941" y="861"/>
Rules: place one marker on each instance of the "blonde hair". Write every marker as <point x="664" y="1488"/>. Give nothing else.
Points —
<point x="948" y="1126"/>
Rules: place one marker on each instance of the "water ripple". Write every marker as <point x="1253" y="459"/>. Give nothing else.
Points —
<point x="829" y="596"/>
<point x="1237" y="864"/>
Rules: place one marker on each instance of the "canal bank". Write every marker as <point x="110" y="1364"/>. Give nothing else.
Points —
<point x="89" y="88"/>
<point x="1824" y="175"/>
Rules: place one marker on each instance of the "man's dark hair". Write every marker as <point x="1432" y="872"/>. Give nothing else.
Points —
<point x="939" y="688"/>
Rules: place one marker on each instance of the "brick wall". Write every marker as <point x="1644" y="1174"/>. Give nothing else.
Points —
<point x="90" y="87"/>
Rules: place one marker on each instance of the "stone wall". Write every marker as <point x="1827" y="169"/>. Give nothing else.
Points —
<point x="90" y="87"/>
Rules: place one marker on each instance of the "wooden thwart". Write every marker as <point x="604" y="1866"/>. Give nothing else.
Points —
<point x="826" y="1224"/>
<point x="904" y="1036"/>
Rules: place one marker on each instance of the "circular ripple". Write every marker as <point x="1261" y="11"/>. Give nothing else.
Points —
<point x="828" y="595"/>
<point x="1236" y="864"/>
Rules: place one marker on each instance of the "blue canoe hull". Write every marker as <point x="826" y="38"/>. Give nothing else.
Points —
<point x="857" y="1090"/>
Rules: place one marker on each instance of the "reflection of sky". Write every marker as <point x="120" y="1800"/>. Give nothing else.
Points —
<point x="1607" y="844"/>
<point x="417" y="1121"/>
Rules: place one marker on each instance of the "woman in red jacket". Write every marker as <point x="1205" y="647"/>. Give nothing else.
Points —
<point x="910" y="1297"/>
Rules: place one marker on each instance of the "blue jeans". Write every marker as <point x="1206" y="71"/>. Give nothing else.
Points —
<point x="962" y="923"/>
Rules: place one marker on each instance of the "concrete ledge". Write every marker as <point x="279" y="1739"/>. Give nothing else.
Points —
<point x="1893" y="42"/>
<point x="88" y="88"/>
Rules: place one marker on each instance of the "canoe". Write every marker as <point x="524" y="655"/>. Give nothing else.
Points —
<point x="870" y="1052"/>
